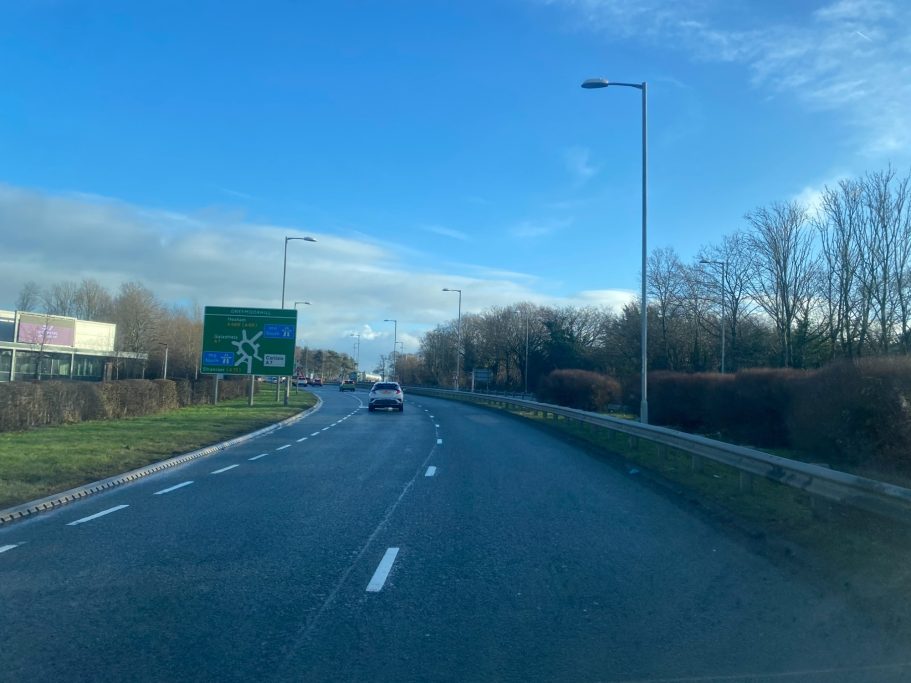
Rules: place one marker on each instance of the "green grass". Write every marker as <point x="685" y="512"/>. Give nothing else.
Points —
<point x="40" y="462"/>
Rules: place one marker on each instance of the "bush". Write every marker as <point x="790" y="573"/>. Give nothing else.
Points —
<point x="857" y="413"/>
<point x="35" y="404"/>
<point x="579" y="389"/>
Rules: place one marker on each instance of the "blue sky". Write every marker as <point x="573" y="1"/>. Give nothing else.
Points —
<point x="424" y="144"/>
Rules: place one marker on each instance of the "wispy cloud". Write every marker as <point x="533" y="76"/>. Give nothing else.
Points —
<point x="447" y="232"/>
<point x="531" y="229"/>
<point x="234" y="193"/>
<point x="578" y="163"/>
<point x="848" y="56"/>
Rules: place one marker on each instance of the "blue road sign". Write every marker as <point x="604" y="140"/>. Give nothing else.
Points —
<point x="273" y="331"/>
<point x="217" y="358"/>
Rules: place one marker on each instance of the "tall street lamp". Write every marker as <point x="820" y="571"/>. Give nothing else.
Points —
<point x="296" y="304"/>
<point x="459" y="342"/>
<point x="164" y="373"/>
<point x="285" y="262"/>
<point x="395" y="337"/>
<point x="284" y="278"/>
<point x="357" y="361"/>
<point x="603" y="83"/>
<point x="724" y="267"/>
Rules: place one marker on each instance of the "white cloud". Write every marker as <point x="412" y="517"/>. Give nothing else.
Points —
<point x="530" y="229"/>
<point x="578" y="163"/>
<point x="353" y="283"/>
<point x="447" y="232"/>
<point x="849" y="56"/>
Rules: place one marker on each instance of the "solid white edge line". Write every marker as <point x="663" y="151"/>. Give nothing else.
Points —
<point x="224" y="469"/>
<point x="257" y="457"/>
<point x="98" y="514"/>
<point x="172" y="488"/>
<point x="430" y="471"/>
<point x="281" y="448"/>
<point x="303" y="438"/>
<point x="4" y="548"/>
<point x="382" y="571"/>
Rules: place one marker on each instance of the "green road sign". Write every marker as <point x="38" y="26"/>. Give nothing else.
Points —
<point x="248" y="341"/>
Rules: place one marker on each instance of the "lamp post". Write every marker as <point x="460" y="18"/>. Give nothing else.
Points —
<point x="603" y="83"/>
<point x="164" y="372"/>
<point x="724" y="267"/>
<point x="284" y="278"/>
<point x="458" y="376"/>
<point x="357" y="360"/>
<point x="296" y="304"/>
<point x="395" y="338"/>
<point x="526" y="352"/>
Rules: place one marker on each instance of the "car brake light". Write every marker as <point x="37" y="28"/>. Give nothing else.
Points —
<point x="398" y="391"/>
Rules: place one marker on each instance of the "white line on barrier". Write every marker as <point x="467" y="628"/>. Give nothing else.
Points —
<point x="382" y="571"/>
<point x="172" y="488"/>
<point x="224" y="469"/>
<point x="98" y="514"/>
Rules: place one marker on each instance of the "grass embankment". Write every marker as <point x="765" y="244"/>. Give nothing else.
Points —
<point x="40" y="462"/>
<point x="855" y="553"/>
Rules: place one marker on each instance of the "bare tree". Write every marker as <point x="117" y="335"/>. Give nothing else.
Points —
<point x="782" y="243"/>
<point x="61" y="298"/>
<point x="93" y="301"/>
<point x="30" y="297"/>
<point x="666" y="285"/>
<point x="137" y="313"/>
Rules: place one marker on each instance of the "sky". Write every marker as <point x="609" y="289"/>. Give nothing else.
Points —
<point x="423" y="144"/>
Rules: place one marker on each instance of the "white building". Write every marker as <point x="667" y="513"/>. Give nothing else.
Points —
<point x="42" y="346"/>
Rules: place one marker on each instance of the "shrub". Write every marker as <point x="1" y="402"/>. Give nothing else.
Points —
<point x="857" y="413"/>
<point x="579" y="389"/>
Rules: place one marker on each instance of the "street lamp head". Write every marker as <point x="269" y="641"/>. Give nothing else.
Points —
<point x="591" y="83"/>
<point x="303" y="239"/>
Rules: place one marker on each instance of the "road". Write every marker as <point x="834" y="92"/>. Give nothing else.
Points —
<point x="446" y="543"/>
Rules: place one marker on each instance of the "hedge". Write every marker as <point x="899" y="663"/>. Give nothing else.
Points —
<point x="24" y="405"/>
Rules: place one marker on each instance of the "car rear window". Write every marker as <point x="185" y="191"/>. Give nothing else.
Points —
<point x="386" y="385"/>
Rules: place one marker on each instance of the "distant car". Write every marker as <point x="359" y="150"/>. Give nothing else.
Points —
<point x="347" y="385"/>
<point x="301" y="381"/>
<point x="316" y="382"/>
<point x="386" y="395"/>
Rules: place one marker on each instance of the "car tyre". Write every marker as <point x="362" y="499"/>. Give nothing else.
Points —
<point x="370" y="409"/>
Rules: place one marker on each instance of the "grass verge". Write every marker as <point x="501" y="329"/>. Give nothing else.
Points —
<point x="40" y="462"/>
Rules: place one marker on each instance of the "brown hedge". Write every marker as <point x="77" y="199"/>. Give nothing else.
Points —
<point x="856" y="414"/>
<point x="24" y="405"/>
<point x="579" y="389"/>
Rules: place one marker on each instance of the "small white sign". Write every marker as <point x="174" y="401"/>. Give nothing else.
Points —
<point x="274" y="360"/>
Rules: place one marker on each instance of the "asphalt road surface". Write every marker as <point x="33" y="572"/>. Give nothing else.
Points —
<point x="446" y="543"/>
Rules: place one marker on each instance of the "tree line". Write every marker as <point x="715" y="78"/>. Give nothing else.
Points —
<point x="145" y="324"/>
<point x="794" y="287"/>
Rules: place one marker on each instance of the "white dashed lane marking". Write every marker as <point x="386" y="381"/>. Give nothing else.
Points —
<point x="224" y="469"/>
<point x="439" y="442"/>
<point x="257" y="457"/>
<point x="430" y="471"/>
<point x="325" y="428"/>
<point x="98" y="514"/>
<point x="4" y="548"/>
<point x="172" y="488"/>
<point x="303" y="438"/>
<point x="382" y="571"/>
<point x="281" y="448"/>
<point x="315" y="434"/>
